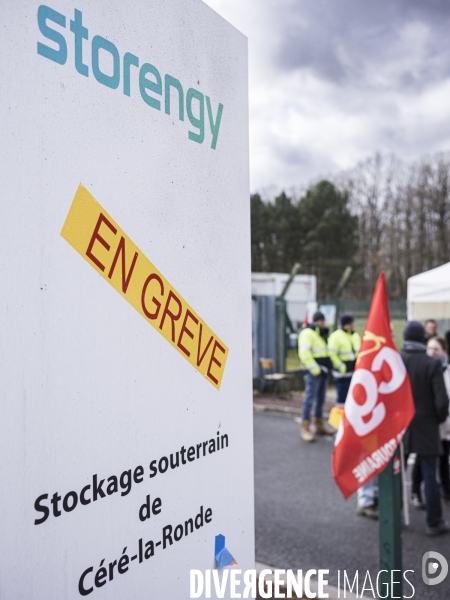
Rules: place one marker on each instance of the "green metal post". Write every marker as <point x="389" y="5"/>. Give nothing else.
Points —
<point x="280" y="361"/>
<point x="335" y="301"/>
<point x="280" y="309"/>
<point x="338" y="291"/>
<point x="390" y="534"/>
<point x="295" y="269"/>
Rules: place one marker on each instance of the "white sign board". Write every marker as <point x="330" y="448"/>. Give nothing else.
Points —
<point x="126" y="404"/>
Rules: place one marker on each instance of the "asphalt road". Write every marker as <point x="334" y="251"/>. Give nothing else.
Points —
<point x="303" y="522"/>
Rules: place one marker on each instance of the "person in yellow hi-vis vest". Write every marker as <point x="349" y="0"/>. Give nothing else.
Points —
<point x="314" y="357"/>
<point x="343" y="346"/>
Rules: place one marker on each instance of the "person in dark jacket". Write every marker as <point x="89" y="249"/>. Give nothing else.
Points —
<point x="431" y="403"/>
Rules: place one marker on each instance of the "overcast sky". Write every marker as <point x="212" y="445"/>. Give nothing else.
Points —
<point x="333" y="81"/>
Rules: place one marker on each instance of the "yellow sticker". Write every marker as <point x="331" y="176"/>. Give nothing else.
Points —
<point x="108" y="249"/>
<point x="336" y="416"/>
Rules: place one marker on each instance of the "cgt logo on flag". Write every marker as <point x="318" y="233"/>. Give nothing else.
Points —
<point x="379" y="405"/>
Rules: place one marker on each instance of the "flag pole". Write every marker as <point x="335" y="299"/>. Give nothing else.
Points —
<point x="389" y="529"/>
<point x="405" y="491"/>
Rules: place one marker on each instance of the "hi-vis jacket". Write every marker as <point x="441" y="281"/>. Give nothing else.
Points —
<point x="312" y="349"/>
<point x="343" y="347"/>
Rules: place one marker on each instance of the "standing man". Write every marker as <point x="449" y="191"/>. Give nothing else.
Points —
<point x="314" y="356"/>
<point x="430" y="329"/>
<point x="343" y="346"/>
<point x="431" y="403"/>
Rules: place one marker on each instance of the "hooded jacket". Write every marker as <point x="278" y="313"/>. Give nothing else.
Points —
<point x="313" y="350"/>
<point x="343" y="347"/>
<point x="430" y="400"/>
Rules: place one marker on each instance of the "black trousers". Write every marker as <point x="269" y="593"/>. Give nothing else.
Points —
<point x="426" y="466"/>
<point x="444" y="472"/>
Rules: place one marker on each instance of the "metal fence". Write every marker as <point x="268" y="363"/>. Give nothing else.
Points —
<point x="263" y="330"/>
<point x="360" y="308"/>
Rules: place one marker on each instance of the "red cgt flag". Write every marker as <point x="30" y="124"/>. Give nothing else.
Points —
<point x="379" y="405"/>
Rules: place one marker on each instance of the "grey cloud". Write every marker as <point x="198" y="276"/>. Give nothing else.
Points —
<point x="333" y="81"/>
<point x="293" y="155"/>
<point x="345" y="41"/>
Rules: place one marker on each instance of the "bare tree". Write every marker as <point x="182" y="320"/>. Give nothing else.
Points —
<point x="404" y="218"/>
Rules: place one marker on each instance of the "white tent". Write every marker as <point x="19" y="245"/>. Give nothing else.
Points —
<point x="300" y="296"/>
<point x="428" y="294"/>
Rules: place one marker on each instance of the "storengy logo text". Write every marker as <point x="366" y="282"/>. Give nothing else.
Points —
<point x="128" y="68"/>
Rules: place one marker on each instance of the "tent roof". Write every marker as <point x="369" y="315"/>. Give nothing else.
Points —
<point x="430" y="286"/>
